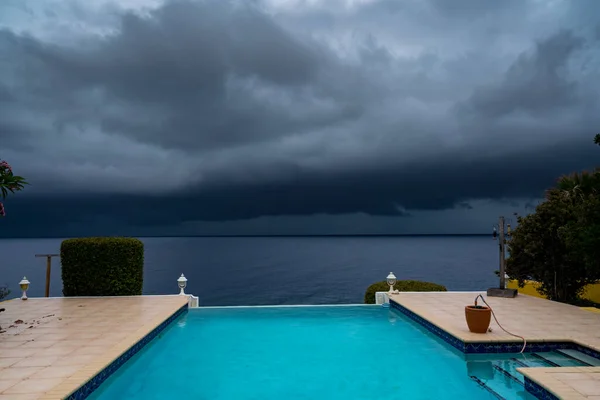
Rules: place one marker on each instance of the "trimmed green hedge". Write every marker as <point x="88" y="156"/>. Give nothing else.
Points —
<point x="402" y="286"/>
<point x="102" y="266"/>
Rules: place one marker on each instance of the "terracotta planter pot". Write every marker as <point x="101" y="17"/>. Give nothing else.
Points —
<point x="478" y="318"/>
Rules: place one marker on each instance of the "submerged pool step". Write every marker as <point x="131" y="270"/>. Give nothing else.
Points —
<point x="545" y="358"/>
<point x="506" y="386"/>
<point x="509" y="369"/>
<point x="583" y="358"/>
<point x="507" y="383"/>
<point x="551" y="359"/>
<point x="560" y="359"/>
<point x="530" y="361"/>
<point x="486" y="387"/>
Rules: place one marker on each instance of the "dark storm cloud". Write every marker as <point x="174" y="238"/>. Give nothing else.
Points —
<point x="474" y="8"/>
<point x="535" y="83"/>
<point x="213" y="111"/>
<point x="178" y="65"/>
<point x="442" y="185"/>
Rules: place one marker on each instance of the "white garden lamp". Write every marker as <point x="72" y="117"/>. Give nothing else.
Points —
<point x="182" y="283"/>
<point x="24" y="284"/>
<point x="391" y="280"/>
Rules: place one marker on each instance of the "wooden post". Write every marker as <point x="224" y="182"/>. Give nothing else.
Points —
<point x="48" y="269"/>
<point x="502" y="253"/>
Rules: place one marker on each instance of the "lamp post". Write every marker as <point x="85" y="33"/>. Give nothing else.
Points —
<point x="391" y="280"/>
<point x="502" y="232"/>
<point x="182" y="283"/>
<point x="24" y="284"/>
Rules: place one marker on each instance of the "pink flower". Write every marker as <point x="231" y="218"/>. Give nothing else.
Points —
<point x="5" y="165"/>
<point x="2" y="212"/>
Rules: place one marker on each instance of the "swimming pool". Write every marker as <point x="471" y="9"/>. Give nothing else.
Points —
<point x="320" y="352"/>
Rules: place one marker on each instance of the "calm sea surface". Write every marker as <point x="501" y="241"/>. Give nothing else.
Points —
<point x="284" y="270"/>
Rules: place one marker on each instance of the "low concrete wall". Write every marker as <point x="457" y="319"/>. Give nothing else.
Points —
<point x="382" y="297"/>
<point x="591" y="292"/>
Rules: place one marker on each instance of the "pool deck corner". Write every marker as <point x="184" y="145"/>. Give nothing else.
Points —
<point x="538" y="320"/>
<point x="51" y="347"/>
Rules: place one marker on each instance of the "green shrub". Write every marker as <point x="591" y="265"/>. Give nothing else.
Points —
<point x="102" y="266"/>
<point x="402" y="286"/>
<point x="4" y="292"/>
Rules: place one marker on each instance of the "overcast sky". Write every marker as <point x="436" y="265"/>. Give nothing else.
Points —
<point x="292" y="116"/>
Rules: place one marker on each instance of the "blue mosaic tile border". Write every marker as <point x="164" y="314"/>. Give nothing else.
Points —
<point x="90" y="386"/>
<point x="538" y="391"/>
<point x="450" y="339"/>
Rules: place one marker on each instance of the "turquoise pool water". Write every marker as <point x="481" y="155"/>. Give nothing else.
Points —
<point x="352" y="352"/>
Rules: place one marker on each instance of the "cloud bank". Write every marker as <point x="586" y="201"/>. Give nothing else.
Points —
<point x="148" y="113"/>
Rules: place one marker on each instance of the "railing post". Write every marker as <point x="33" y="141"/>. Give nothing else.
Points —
<point x="48" y="269"/>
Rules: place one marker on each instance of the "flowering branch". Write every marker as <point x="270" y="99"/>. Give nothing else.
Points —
<point x="9" y="183"/>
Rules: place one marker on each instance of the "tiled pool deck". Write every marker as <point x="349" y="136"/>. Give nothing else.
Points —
<point x="63" y="342"/>
<point x="539" y="321"/>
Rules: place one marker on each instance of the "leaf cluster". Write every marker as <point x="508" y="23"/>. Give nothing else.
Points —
<point x="9" y="182"/>
<point x="402" y="286"/>
<point x="559" y="244"/>
<point x="102" y="266"/>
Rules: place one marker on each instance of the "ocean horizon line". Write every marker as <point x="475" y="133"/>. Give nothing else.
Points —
<point x="262" y="236"/>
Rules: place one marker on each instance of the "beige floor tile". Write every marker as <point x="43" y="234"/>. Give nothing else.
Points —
<point x="21" y="337"/>
<point x="12" y="353"/>
<point x="20" y="396"/>
<point x="33" y="385"/>
<point x="36" y="362"/>
<point x="58" y="372"/>
<point x="75" y="359"/>
<point x="18" y="372"/>
<point x="75" y="343"/>
<point x="565" y="377"/>
<point x="7" y="383"/>
<point x="55" y="336"/>
<point x="10" y="345"/>
<point x="7" y="362"/>
<point x="38" y="344"/>
<point x="90" y="350"/>
<point x="87" y="336"/>
<point x="586" y="387"/>
<point x="57" y="350"/>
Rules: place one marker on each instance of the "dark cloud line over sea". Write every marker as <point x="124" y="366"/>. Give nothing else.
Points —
<point x="372" y="116"/>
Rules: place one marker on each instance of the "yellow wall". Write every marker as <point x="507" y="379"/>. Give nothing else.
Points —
<point x="591" y="292"/>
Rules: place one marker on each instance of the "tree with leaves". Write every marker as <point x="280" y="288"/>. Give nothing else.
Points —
<point x="559" y="244"/>
<point x="597" y="139"/>
<point x="582" y="233"/>
<point x="9" y="182"/>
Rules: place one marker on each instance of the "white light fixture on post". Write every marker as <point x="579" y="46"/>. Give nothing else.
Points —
<point x="391" y="280"/>
<point x="182" y="283"/>
<point x="24" y="284"/>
